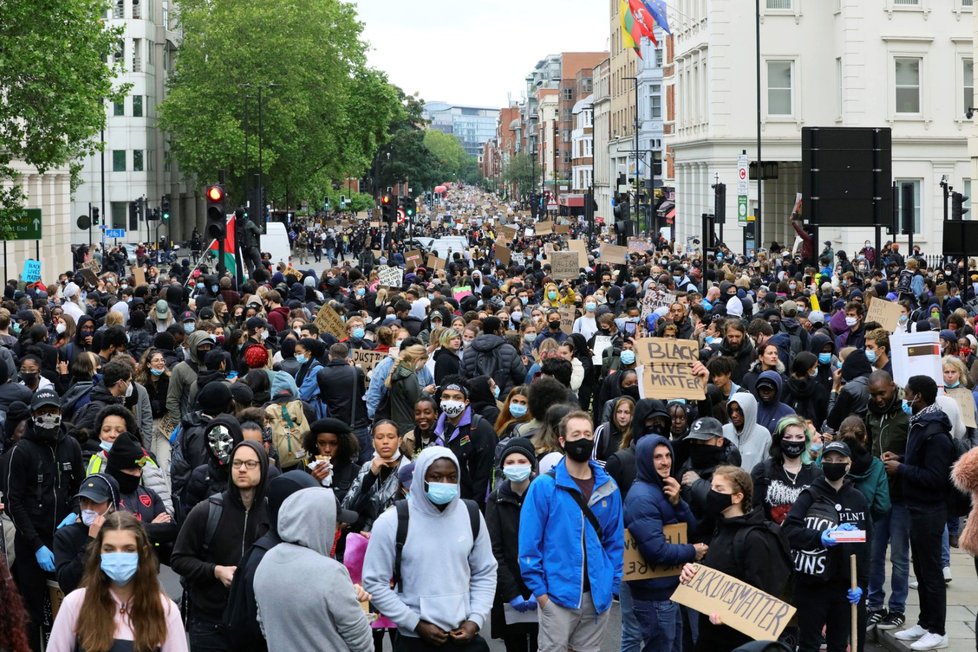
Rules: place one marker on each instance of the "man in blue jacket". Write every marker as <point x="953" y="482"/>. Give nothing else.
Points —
<point x="654" y="502"/>
<point x="571" y="543"/>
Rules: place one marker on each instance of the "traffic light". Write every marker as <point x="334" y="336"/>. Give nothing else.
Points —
<point x="165" y="208"/>
<point x="134" y="215"/>
<point x="387" y="208"/>
<point x="957" y="206"/>
<point x="216" y="216"/>
<point x="720" y="202"/>
<point x="410" y="207"/>
<point x="96" y="213"/>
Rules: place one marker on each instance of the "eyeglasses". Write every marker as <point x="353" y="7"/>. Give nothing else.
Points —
<point x="251" y="465"/>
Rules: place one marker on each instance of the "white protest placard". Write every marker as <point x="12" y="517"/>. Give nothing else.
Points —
<point x="655" y="299"/>
<point x="601" y="342"/>
<point x="528" y="232"/>
<point x="666" y="369"/>
<point x="635" y="566"/>
<point x="514" y="617"/>
<point x="885" y="313"/>
<point x="916" y="354"/>
<point x="614" y="255"/>
<point x="745" y="608"/>
<point x="581" y="248"/>
<point x="392" y="277"/>
<point x="563" y="265"/>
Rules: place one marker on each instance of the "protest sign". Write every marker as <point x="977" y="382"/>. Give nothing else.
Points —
<point x="375" y="225"/>
<point x="745" y="608"/>
<point x="544" y="228"/>
<point x="518" y="258"/>
<point x="579" y="247"/>
<point x="601" y="342"/>
<point x="655" y="299"/>
<point x="666" y="369"/>
<point x="92" y="265"/>
<point x="638" y="245"/>
<point x="528" y="232"/>
<point x="966" y="404"/>
<point x="392" y="277"/>
<point x="366" y="359"/>
<point x="562" y="228"/>
<point x="89" y="276"/>
<point x="327" y="321"/>
<point x="502" y="252"/>
<point x="32" y="271"/>
<point x="886" y="313"/>
<point x="412" y="259"/>
<point x="563" y="265"/>
<point x="614" y="254"/>
<point x="139" y="276"/>
<point x="567" y="317"/>
<point x="508" y="232"/>
<point x="635" y="566"/>
<point x="916" y="354"/>
<point x="434" y="262"/>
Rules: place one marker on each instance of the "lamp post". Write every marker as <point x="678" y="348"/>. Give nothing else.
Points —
<point x="261" y="135"/>
<point x="759" y="235"/>
<point x="635" y="79"/>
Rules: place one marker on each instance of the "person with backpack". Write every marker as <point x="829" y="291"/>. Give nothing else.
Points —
<point x="745" y="545"/>
<point x="571" y="543"/>
<point x="444" y="578"/>
<point x="221" y="435"/>
<point x="491" y="355"/>
<point x="213" y="540"/>
<point x="403" y="387"/>
<point x="822" y="589"/>
<point x="117" y="378"/>
<point x="185" y="373"/>
<point x="287" y="418"/>
<point x="468" y="435"/>
<point x="342" y="387"/>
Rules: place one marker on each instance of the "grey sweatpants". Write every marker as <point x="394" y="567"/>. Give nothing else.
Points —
<point x="563" y="629"/>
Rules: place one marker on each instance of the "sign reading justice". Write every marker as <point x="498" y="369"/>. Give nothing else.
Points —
<point x="666" y="368"/>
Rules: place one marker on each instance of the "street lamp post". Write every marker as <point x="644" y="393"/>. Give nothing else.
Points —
<point x="759" y="236"/>
<point x="635" y="79"/>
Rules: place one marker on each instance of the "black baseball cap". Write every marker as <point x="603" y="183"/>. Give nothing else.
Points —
<point x="839" y="447"/>
<point x="44" y="398"/>
<point x="99" y="488"/>
<point x="705" y="429"/>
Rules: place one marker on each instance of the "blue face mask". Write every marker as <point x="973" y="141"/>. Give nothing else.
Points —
<point x="358" y="333"/>
<point x="441" y="493"/>
<point x="824" y="358"/>
<point x="120" y="567"/>
<point x="518" y="410"/>
<point x="956" y="384"/>
<point x="627" y="357"/>
<point x="361" y="292"/>
<point x="189" y="327"/>
<point x="517" y="472"/>
<point x="301" y="359"/>
<point x="871" y="356"/>
<point x="551" y="295"/>
<point x="590" y="307"/>
<point x="495" y="391"/>
<point x="815" y="448"/>
<point x="105" y="445"/>
<point x="156" y="372"/>
<point x="907" y="408"/>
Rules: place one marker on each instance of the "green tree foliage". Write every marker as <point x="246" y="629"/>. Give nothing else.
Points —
<point x="324" y="111"/>
<point x="55" y="83"/>
<point x="519" y="171"/>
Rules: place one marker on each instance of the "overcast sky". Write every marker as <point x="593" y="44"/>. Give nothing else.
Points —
<point x="473" y="52"/>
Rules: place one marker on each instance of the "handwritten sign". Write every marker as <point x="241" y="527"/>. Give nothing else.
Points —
<point x="745" y="608"/>
<point x="544" y="228"/>
<point x="639" y="246"/>
<point x="327" y="321"/>
<point x="392" y="277"/>
<point x="366" y="359"/>
<point x="32" y="271"/>
<point x="563" y="264"/>
<point x="614" y="254"/>
<point x="519" y="259"/>
<point x="412" y="258"/>
<point x="656" y="299"/>
<point x="562" y="228"/>
<point x="885" y="313"/>
<point x="966" y="405"/>
<point x="580" y="247"/>
<point x="567" y="317"/>
<point x="434" y="262"/>
<point x="666" y="369"/>
<point x="637" y="568"/>
<point x="502" y="252"/>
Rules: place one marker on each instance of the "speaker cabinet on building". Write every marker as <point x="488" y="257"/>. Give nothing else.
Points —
<point x="847" y="176"/>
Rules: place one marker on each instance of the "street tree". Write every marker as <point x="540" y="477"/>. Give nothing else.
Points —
<point x="518" y="171"/>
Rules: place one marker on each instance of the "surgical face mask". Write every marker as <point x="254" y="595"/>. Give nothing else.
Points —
<point x="397" y="344"/>
<point x="15" y="327"/>
<point x="88" y="516"/>
<point x="452" y="409"/>
<point x="129" y="389"/>
<point x="441" y="493"/>
<point x="552" y="295"/>
<point x="903" y="319"/>
<point x="301" y="359"/>
<point x="524" y="300"/>
<point x="214" y="289"/>
<point x="189" y="327"/>
<point x="518" y="410"/>
<point x="813" y="372"/>
<point x="590" y="306"/>
<point x="871" y="356"/>
<point x="517" y="472"/>
<point x="60" y="328"/>
<point x="358" y="333"/>
<point x="105" y="445"/>
<point x="495" y="391"/>
<point x="851" y="321"/>
<point x="627" y="357"/>
<point x="516" y="317"/>
<point x="907" y="407"/>
<point x="957" y="383"/>
<point x="361" y="291"/>
<point x="824" y="358"/>
<point x="530" y="338"/>
<point x="120" y="567"/>
<point x="156" y="372"/>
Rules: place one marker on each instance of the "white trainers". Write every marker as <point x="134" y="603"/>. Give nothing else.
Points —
<point x="910" y="634"/>
<point x="930" y="641"/>
<point x="913" y="583"/>
<point x="947" y="574"/>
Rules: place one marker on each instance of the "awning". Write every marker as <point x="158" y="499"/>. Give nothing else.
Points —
<point x="572" y="201"/>
<point x="671" y="216"/>
<point x="665" y="207"/>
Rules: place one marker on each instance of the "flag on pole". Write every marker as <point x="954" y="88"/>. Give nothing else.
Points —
<point x="630" y="37"/>
<point x="230" y="259"/>
<point x="643" y="21"/>
<point x="657" y="9"/>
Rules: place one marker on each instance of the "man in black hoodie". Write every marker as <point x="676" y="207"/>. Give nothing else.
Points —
<point x="116" y="381"/>
<point x="220" y="435"/>
<point x="491" y="355"/>
<point x="44" y="473"/>
<point x="212" y="540"/>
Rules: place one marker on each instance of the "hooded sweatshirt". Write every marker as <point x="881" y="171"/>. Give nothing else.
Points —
<point x="768" y="414"/>
<point x="448" y="588"/>
<point x="753" y="440"/>
<point x="330" y="617"/>
<point x="184" y="375"/>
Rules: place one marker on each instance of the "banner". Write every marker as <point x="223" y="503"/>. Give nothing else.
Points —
<point x="666" y="369"/>
<point x="434" y="262"/>
<point x="635" y="566"/>
<point x="544" y="228"/>
<point x="412" y="259"/>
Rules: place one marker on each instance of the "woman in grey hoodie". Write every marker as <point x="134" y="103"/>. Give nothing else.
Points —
<point x="753" y="441"/>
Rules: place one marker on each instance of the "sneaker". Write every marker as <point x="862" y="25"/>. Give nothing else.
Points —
<point x="930" y="641"/>
<point x="947" y="574"/>
<point x="894" y="620"/>
<point x="875" y="617"/>
<point x="911" y="634"/>
<point x="912" y="583"/>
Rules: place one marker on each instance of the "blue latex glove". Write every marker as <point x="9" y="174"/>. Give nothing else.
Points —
<point x="531" y="604"/>
<point x="827" y="540"/>
<point x="69" y="519"/>
<point x="45" y="559"/>
<point x="847" y="527"/>
<point x="854" y="595"/>
<point x="518" y="603"/>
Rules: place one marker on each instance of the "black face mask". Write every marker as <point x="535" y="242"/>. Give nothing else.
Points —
<point x="30" y="379"/>
<point x="554" y="325"/>
<point x="705" y="456"/>
<point x="834" y="470"/>
<point x="127" y="483"/>
<point x="630" y="391"/>
<point x="716" y="502"/>
<point x="579" y="450"/>
<point x="792" y="449"/>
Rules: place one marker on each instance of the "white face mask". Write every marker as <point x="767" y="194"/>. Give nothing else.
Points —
<point x="88" y="516"/>
<point x="452" y="409"/>
<point x="129" y="389"/>
<point x="60" y="328"/>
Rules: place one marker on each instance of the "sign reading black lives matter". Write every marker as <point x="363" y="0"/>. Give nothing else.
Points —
<point x="666" y="369"/>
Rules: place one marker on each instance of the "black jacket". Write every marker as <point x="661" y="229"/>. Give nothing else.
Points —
<point x="491" y="355"/>
<point x="474" y="448"/>
<point x="43" y="477"/>
<point x="926" y="465"/>
<point x="744" y="357"/>
<point x="341" y="388"/>
<point x="446" y="364"/>
<point x="503" y="524"/>
<point x="101" y="397"/>
<point x="237" y="529"/>
<point x="70" y="551"/>
<point x="807" y="397"/>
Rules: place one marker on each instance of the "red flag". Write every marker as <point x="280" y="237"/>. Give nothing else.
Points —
<point x="643" y="21"/>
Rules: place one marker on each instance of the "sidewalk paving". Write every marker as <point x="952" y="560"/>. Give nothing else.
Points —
<point x="962" y="605"/>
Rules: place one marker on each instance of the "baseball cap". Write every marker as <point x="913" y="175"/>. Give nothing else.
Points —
<point x="45" y="397"/>
<point x="188" y="316"/>
<point x="789" y="306"/>
<point x="99" y="488"/>
<point x="839" y="447"/>
<point x="705" y="429"/>
<point x="162" y="308"/>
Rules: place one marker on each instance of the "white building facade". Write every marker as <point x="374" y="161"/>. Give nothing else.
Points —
<point x="903" y="64"/>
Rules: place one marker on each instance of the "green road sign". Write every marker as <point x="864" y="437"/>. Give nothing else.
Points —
<point x="742" y="209"/>
<point x="20" y="224"/>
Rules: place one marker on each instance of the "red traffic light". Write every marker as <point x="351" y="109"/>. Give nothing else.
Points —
<point x="215" y="193"/>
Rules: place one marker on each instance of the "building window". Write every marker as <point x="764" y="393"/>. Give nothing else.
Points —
<point x="119" y="108"/>
<point x="779" y="79"/>
<point x="120" y="214"/>
<point x="119" y="56"/>
<point x="118" y="160"/>
<point x="137" y="160"/>
<point x="906" y="3"/>
<point x="655" y="102"/>
<point x="149" y="53"/>
<point x="137" y="106"/>
<point x="969" y="84"/>
<point x="119" y="9"/>
<point x="658" y="57"/>
<point x="779" y="4"/>
<point x="137" y="59"/>
<point x="907" y="84"/>
<point x="137" y="10"/>
<point x="967" y="3"/>
<point x="915" y="184"/>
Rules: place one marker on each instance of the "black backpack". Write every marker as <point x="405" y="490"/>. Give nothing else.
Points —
<point x="403" y="518"/>
<point x="782" y="565"/>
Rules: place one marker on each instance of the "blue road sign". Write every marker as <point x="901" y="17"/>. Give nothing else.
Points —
<point x="115" y="233"/>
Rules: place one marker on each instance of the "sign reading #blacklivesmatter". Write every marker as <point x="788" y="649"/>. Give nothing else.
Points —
<point x="564" y="264"/>
<point x="329" y="322"/>
<point x="745" y="608"/>
<point x="636" y="568"/>
<point x="885" y="313"/>
<point x="666" y="368"/>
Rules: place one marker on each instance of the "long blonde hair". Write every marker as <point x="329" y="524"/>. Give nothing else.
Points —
<point x="409" y="356"/>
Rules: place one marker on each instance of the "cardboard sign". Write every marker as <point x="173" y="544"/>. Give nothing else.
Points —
<point x="139" y="276"/>
<point x="639" y="246"/>
<point x="377" y="214"/>
<point x="412" y="259"/>
<point x="329" y="322"/>
<point x="366" y="359"/>
<point x="655" y="299"/>
<point x="580" y="247"/>
<point x="501" y="252"/>
<point x="562" y="228"/>
<point x="544" y="228"/>
<point x="507" y="232"/>
<point x="392" y="277"/>
<point x="745" y="608"/>
<point x="434" y="262"/>
<point x="567" y="317"/>
<point x="32" y="271"/>
<point x="635" y="566"/>
<point x="614" y="254"/>
<point x="519" y="258"/>
<point x="92" y="265"/>
<point x="89" y="276"/>
<point x="886" y="313"/>
<point x="563" y="265"/>
<point x="601" y="342"/>
<point x="966" y="405"/>
<point x="666" y="369"/>
<point x="375" y="225"/>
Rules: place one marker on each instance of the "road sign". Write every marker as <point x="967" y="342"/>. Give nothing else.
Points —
<point x="743" y="182"/>
<point x="115" y="233"/>
<point x="552" y="206"/>
<point x="20" y="224"/>
<point x="742" y="210"/>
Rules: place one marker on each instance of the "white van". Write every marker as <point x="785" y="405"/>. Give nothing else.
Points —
<point x="455" y="243"/>
<point x="276" y="242"/>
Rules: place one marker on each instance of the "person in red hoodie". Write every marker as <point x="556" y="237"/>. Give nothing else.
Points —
<point x="278" y="315"/>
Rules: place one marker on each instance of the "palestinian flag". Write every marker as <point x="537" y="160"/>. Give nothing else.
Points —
<point x="229" y="251"/>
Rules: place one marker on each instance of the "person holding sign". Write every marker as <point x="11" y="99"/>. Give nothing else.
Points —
<point x="653" y="502"/>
